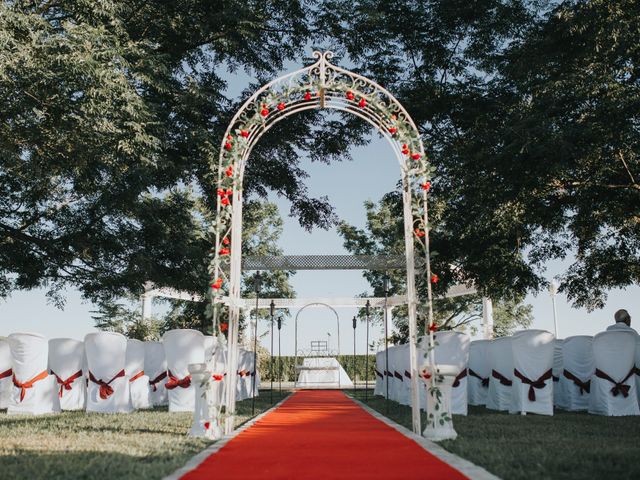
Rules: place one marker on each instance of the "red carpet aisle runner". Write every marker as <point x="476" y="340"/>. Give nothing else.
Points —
<point x="321" y="435"/>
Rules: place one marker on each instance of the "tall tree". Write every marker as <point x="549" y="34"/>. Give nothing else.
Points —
<point x="110" y="115"/>
<point x="530" y="113"/>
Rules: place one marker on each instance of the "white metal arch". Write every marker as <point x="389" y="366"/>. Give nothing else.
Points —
<point x="320" y="85"/>
<point x="312" y="305"/>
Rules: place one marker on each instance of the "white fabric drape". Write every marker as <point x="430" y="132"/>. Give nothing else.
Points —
<point x="138" y="379"/>
<point x="29" y="361"/>
<point x="578" y="362"/>
<point x="67" y="361"/>
<point x="614" y="353"/>
<point x="106" y="354"/>
<point x="533" y="361"/>
<point x="182" y="347"/>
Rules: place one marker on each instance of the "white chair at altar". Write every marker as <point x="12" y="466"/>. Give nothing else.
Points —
<point x="532" y="389"/>
<point x="155" y="366"/>
<point x="380" y="369"/>
<point x="108" y="389"/>
<point x="138" y="380"/>
<point x="395" y="378"/>
<point x="479" y="372"/>
<point x="578" y="368"/>
<point x="6" y="372"/>
<point x="613" y="390"/>
<point x="34" y="390"/>
<point x="452" y="348"/>
<point x="66" y="364"/>
<point x="182" y="347"/>
<point x="501" y="355"/>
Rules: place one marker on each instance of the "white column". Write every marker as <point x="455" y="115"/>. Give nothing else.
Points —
<point x="389" y="315"/>
<point x="487" y="317"/>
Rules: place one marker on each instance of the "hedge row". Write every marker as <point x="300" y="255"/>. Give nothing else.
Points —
<point x="288" y="372"/>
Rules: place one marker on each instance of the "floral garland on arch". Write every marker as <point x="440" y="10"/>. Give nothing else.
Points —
<point x="320" y="85"/>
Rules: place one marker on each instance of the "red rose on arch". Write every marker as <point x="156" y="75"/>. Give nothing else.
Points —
<point x="226" y="241"/>
<point x="281" y="106"/>
<point x="419" y="233"/>
<point x="426" y="186"/>
<point x="307" y="96"/>
<point x="393" y="130"/>
<point x="362" y="103"/>
<point x="228" y="146"/>
<point x="244" y="133"/>
<point x="433" y="327"/>
<point x="206" y="425"/>
<point x="224" y="251"/>
<point x="229" y="171"/>
<point x="224" y="327"/>
<point x="415" y="156"/>
<point x="350" y="95"/>
<point x="225" y="201"/>
<point x="435" y="278"/>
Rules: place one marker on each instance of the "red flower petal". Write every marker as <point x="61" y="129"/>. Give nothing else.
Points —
<point x="228" y="192"/>
<point x="415" y="156"/>
<point x="426" y="186"/>
<point x="281" y="106"/>
<point x="220" y="192"/>
<point x="405" y="151"/>
<point x="244" y="133"/>
<point x="419" y="233"/>
<point x="226" y="241"/>
<point x="307" y="96"/>
<point x="229" y="172"/>
<point x="434" y="278"/>
<point x="433" y="327"/>
<point x="206" y="425"/>
<point x="264" y="112"/>
<point x="350" y="95"/>
<point x="393" y="130"/>
<point x="227" y="146"/>
<point x="229" y="137"/>
<point x="362" y="103"/>
<point x="225" y="201"/>
<point x="224" y="327"/>
<point x="224" y="251"/>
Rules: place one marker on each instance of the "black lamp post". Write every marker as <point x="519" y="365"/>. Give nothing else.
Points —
<point x="255" y="348"/>
<point x="367" y="312"/>
<point x="385" y="284"/>
<point x="272" y="307"/>
<point x="279" y="364"/>
<point x="355" y="320"/>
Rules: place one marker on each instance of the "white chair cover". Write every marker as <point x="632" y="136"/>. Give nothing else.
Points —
<point x="614" y="354"/>
<point x="396" y="379"/>
<point x="479" y="372"/>
<point x="155" y="366"/>
<point x="501" y="355"/>
<point x="138" y="380"/>
<point x="243" y="384"/>
<point x="182" y="347"/>
<point x="452" y="348"/>
<point x="558" y="395"/>
<point x="379" y="368"/>
<point x="108" y="390"/>
<point x="66" y="364"/>
<point x="404" y="370"/>
<point x="6" y="372"/>
<point x="578" y="368"/>
<point x="532" y="389"/>
<point x="34" y="390"/>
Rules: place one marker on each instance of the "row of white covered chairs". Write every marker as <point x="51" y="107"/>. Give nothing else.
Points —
<point x="108" y="373"/>
<point x="530" y="371"/>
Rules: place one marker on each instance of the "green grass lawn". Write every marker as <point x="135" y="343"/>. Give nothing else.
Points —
<point x="565" y="446"/>
<point x="77" y="445"/>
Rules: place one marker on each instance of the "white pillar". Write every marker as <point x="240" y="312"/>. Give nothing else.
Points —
<point x="147" y="299"/>
<point x="389" y="315"/>
<point x="487" y="317"/>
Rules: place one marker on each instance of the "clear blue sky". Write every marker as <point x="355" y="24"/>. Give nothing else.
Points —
<point x="373" y="172"/>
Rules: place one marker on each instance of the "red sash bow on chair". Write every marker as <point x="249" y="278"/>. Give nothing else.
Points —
<point x="158" y="379"/>
<point x="217" y="378"/>
<point x="136" y="376"/>
<point x="379" y="374"/>
<point x="29" y="384"/>
<point x="503" y="380"/>
<point x="6" y="373"/>
<point x="407" y="374"/>
<point x="174" y="382"/>
<point x="485" y="381"/>
<point x="243" y="373"/>
<point x="397" y="375"/>
<point x="618" y="387"/>
<point x="533" y="384"/>
<point x="584" y="386"/>
<point x="106" y="390"/>
<point x="460" y="376"/>
<point x="66" y="384"/>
